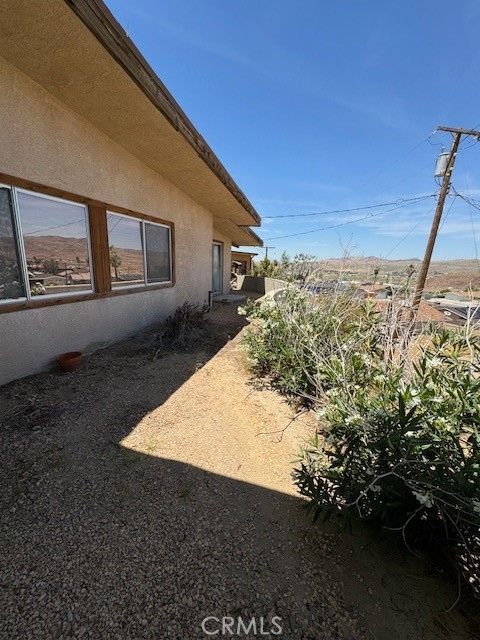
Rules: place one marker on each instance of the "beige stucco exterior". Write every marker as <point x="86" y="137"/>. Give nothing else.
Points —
<point x="46" y="142"/>
<point x="49" y="43"/>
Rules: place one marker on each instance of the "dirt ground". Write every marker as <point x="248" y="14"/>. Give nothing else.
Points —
<point x="141" y="495"/>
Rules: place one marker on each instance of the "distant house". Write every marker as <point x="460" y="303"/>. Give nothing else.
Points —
<point x="113" y="208"/>
<point x="242" y="262"/>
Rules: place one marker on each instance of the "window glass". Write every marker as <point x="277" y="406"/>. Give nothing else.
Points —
<point x="56" y="246"/>
<point x="11" y="280"/>
<point x="217" y="267"/>
<point x="157" y="247"/>
<point x="126" y="251"/>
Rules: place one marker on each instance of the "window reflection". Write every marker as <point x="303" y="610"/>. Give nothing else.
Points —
<point x="56" y="246"/>
<point x="11" y="280"/>
<point x="126" y="251"/>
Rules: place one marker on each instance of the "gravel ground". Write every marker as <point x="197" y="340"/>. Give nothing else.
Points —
<point x="142" y="495"/>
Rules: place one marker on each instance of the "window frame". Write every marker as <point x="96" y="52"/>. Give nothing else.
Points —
<point x="222" y="267"/>
<point x="21" y="246"/>
<point x="98" y="248"/>
<point x="20" y="250"/>
<point x="138" y="285"/>
<point x="143" y="221"/>
<point x="170" y="260"/>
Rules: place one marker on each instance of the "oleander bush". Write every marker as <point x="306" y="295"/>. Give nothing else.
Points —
<point x="299" y="341"/>
<point x="398" y="440"/>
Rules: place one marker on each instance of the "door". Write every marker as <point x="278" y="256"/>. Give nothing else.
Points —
<point x="217" y="267"/>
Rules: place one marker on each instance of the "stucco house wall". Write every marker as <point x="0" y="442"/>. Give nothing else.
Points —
<point x="44" y="141"/>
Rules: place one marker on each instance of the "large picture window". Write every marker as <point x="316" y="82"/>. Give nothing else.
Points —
<point x="55" y="240"/>
<point x="55" y="250"/>
<point x="140" y="251"/>
<point x="44" y="246"/>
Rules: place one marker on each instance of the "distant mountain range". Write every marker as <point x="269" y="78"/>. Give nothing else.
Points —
<point x="67" y="250"/>
<point x="456" y="275"/>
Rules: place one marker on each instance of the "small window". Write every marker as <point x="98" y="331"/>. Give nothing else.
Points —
<point x="11" y="277"/>
<point x="140" y="251"/>
<point x="56" y="245"/>
<point x="157" y="251"/>
<point x="126" y="250"/>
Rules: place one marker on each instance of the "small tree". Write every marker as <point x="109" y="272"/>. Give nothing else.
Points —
<point x="376" y="271"/>
<point x="303" y="266"/>
<point x="284" y="261"/>
<point x="265" y="268"/>
<point x="50" y="265"/>
<point x="115" y="261"/>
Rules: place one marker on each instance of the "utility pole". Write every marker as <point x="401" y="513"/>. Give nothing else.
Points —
<point x="422" y="276"/>
<point x="266" y="251"/>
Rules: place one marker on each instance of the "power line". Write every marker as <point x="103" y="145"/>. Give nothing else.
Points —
<point x="391" y="162"/>
<point x="398" y="202"/>
<point x="469" y="200"/>
<point x="57" y="226"/>
<point x="474" y="232"/>
<point x="409" y="233"/>
<point x="476" y="205"/>
<point x="334" y="226"/>
<point x="447" y="213"/>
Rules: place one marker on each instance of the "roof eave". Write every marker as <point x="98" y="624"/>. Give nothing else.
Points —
<point x="104" y="26"/>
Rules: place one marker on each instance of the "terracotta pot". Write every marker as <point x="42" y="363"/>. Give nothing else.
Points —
<point x="70" y="361"/>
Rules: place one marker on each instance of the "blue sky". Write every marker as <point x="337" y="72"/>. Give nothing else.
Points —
<point x="315" y="106"/>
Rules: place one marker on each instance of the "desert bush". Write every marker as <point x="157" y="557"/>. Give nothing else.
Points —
<point x="266" y="268"/>
<point x="307" y="344"/>
<point x="296" y="269"/>
<point x="398" y="442"/>
<point x="183" y="329"/>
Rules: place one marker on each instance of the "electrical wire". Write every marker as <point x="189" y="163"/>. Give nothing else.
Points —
<point x="469" y="200"/>
<point x="444" y="219"/>
<point x="415" y="226"/>
<point x="476" y="205"/>
<point x="57" y="226"/>
<point x="369" y="180"/>
<point x="333" y="226"/>
<point x="408" y="234"/>
<point x="399" y="202"/>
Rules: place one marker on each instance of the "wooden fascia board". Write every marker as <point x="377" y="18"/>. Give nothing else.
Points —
<point x="103" y="25"/>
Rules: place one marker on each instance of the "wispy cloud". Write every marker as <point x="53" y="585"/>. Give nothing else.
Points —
<point x="458" y="220"/>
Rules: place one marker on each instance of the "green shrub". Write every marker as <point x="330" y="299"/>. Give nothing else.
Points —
<point x="300" y="342"/>
<point x="399" y="440"/>
<point x="265" y="268"/>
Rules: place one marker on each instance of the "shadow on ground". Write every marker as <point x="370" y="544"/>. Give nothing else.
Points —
<point x="100" y="541"/>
